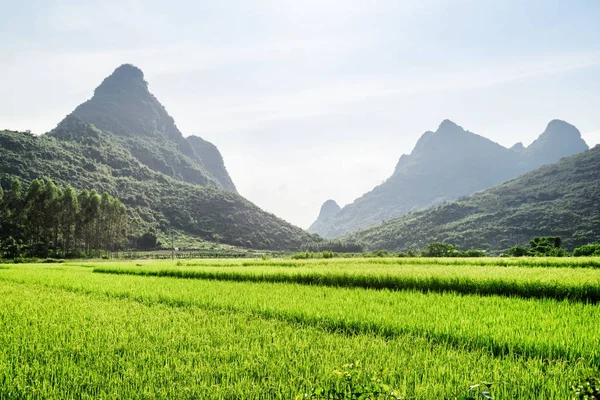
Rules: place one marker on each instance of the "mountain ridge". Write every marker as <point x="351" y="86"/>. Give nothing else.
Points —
<point x="557" y="199"/>
<point x="131" y="159"/>
<point x="123" y="105"/>
<point x="446" y="164"/>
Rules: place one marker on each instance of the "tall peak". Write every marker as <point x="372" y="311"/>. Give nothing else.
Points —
<point x="329" y="209"/>
<point x="560" y="127"/>
<point x="448" y="126"/>
<point x="560" y="139"/>
<point x="127" y="77"/>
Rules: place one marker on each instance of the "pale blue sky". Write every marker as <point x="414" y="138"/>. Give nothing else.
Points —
<point x="315" y="99"/>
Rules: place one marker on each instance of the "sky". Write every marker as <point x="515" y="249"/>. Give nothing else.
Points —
<point x="315" y="99"/>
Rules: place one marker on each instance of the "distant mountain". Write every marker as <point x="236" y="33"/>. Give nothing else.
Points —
<point x="122" y="141"/>
<point x="560" y="139"/>
<point x="559" y="199"/>
<point x="446" y="164"/>
<point x="329" y="209"/>
<point x="123" y="106"/>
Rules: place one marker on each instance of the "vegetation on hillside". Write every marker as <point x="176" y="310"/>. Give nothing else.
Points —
<point x="122" y="141"/>
<point x="80" y="155"/>
<point x="555" y="200"/>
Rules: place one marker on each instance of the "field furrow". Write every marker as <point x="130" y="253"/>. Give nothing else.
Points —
<point x="436" y="281"/>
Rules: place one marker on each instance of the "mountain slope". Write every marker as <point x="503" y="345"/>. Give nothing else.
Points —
<point x="559" y="199"/>
<point x="446" y="164"/>
<point x="208" y="155"/>
<point x="123" y="106"/>
<point x="134" y="164"/>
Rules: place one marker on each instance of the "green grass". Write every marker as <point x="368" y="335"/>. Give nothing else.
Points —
<point x="372" y="262"/>
<point x="67" y="345"/>
<point x="533" y="328"/>
<point x="536" y="282"/>
<point x="66" y="332"/>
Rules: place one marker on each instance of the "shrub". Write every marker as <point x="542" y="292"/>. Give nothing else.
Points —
<point x="305" y="255"/>
<point x="474" y="253"/>
<point x="592" y="249"/>
<point x="52" y="261"/>
<point x="439" y="249"/>
<point x="381" y="253"/>
<point x="518" y="251"/>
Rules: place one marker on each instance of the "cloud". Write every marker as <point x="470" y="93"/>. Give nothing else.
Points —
<point x="233" y="112"/>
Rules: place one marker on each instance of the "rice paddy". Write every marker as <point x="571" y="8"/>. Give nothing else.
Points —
<point x="277" y="328"/>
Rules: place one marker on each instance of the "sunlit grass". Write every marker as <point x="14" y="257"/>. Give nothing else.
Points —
<point x="67" y="332"/>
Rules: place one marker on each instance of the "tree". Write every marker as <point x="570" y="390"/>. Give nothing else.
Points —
<point x="9" y="248"/>
<point x="34" y="215"/>
<point x="2" y="212"/>
<point x="13" y="210"/>
<point x="592" y="249"/>
<point x="120" y="225"/>
<point x="49" y="218"/>
<point x="439" y="249"/>
<point x="147" y="241"/>
<point x="518" y="251"/>
<point x="88" y="228"/>
<point x="51" y="195"/>
<point x="69" y="209"/>
<point x="543" y="246"/>
<point x="546" y="246"/>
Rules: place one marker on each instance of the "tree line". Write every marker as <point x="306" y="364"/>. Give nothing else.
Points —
<point x="43" y="220"/>
<point x="332" y="245"/>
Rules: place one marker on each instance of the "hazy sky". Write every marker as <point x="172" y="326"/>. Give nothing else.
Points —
<point x="313" y="99"/>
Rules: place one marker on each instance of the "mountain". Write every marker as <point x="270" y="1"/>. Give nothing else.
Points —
<point x="559" y="199"/>
<point x="560" y="139"/>
<point x="329" y="209"/>
<point x="446" y="164"/>
<point x="123" y="106"/>
<point x="122" y="141"/>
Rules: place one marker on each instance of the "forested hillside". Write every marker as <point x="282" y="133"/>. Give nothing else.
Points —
<point x="446" y="164"/>
<point x="148" y="165"/>
<point x="558" y="199"/>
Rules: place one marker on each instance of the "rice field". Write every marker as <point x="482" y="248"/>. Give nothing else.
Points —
<point x="266" y="329"/>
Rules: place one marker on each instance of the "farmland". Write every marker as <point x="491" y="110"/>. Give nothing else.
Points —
<point x="277" y="328"/>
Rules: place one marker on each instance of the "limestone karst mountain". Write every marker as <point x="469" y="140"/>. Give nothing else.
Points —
<point x="446" y="164"/>
<point x="559" y="199"/>
<point x="329" y="209"/>
<point x="123" y="141"/>
<point x="123" y="105"/>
